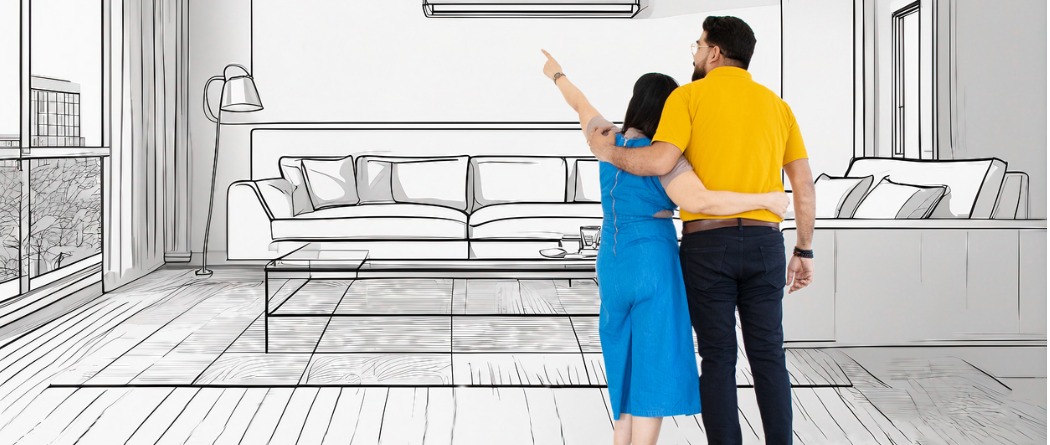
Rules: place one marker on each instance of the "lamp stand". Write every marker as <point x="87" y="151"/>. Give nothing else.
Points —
<point x="204" y="271"/>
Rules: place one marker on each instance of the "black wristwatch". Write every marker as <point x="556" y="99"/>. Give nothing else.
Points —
<point x="803" y="253"/>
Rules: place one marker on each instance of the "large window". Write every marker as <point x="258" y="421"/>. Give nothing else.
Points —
<point x="906" y="126"/>
<point x="52" y="139"/>
<point x="912" y="62"/>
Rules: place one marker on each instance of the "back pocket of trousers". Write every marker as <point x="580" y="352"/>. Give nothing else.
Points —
<point x="775" y="263"/>
<point x="702" y="267"/>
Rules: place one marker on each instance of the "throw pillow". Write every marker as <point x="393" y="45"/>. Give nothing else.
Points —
<point x="441" y="182"/>
<point x="839" y="197"/>
<point x="890" y="200"/>
<point x="291" y="171"/>
<point x="277" y="194"/>
<point x="331" y="182"/>
<point x="373" y="179"/>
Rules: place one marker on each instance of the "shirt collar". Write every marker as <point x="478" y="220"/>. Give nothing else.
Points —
<point x="729" y="71"/>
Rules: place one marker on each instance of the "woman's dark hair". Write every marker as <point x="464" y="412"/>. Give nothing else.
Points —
<point x="647" y="104"/>
<point x="733" y="37"/>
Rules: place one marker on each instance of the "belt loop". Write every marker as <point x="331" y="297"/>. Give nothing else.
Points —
<point x="740" y="223"/>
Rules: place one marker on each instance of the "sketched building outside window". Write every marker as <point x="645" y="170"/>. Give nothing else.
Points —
<point x="55" y="113"/>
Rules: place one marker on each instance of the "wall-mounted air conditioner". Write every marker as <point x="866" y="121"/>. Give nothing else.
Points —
<point x="623" y="9"/>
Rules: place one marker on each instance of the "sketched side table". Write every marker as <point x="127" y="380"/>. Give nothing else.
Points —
<point x="284" y="276"/>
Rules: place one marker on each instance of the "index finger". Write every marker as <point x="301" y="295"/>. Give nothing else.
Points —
<point x="546" y="53"/>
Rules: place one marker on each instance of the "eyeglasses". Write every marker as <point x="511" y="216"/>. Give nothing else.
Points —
<point x="696" y="46"/>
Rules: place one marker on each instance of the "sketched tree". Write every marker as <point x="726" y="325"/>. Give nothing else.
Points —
<point x="65" y="212"/>
<point x="10" y="200"/>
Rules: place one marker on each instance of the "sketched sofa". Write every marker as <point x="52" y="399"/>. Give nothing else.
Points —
<point x="460" y="207"/>
<point x="912" y="251"/>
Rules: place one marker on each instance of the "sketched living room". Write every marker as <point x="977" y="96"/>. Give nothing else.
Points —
<point x="255" y="221"/>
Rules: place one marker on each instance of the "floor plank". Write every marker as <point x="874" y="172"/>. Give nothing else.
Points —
<point x="316" y="297"/>
<point x="584" y="418"/>
<point x="236" y="368"/>
<point x="380" y="369"/>
<point x="527" y="369"/>
<point x="264" y="422"/>
<point x="347" y="416"/>
<point x="486" y="413"/>
<point x="405" y="420"/>
<point x="398" y="297"/>
<point x="540" y="297"/>
<point x="494" y="297"/>
<point x="163" y="416"/>
<point x="121" y="419"/>
<point x="236" y="426"/>
<point x="213" y="423"/>
<point x="393" y="334"/>
<point x="293" y="419"/>
<point x="513" y="335"/>
<point x="320" y="417"/>
<point x="189" y="419"/>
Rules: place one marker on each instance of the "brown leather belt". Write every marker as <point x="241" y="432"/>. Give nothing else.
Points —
<point x="701" y="225"/>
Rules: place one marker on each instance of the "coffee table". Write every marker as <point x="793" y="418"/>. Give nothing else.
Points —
<point x="285" y="276"/>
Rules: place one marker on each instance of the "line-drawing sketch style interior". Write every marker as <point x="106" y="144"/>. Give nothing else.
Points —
<point x="383" y="226"/>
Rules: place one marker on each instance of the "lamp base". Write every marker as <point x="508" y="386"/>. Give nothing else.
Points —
<point x="202" y="272"/>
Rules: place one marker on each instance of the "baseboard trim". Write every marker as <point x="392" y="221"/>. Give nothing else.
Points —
<point x="41" y="306"/>
<point x="177" y="257"/>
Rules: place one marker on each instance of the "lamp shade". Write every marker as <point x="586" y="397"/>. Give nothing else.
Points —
<point x="239" y="94"/>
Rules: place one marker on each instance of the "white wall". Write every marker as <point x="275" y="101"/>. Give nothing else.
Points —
<point x="332" y="60"/>
<point x="818" y="79"/>
<point x="338" y="61"/>
<point x="1001" y="87"/>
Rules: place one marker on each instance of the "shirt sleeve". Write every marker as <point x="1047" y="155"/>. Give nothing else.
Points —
<point x="676" y="127"/>
<point x="795" y="149"/>
<point x="680" y="167"/>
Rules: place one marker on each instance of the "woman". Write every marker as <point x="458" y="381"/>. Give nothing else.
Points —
<point x="644" y="326"/>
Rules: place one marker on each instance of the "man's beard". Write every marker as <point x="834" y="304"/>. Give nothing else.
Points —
<point x="698" y="72"/>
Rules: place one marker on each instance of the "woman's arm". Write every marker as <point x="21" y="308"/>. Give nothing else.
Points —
<point x="573" y="96"/>
<point x="686" y="190"/>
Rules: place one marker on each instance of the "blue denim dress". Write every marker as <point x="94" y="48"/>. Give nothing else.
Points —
<point x="646" y="335"/>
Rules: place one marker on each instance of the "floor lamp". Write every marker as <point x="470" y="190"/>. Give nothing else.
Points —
<point x="238" y="95"/>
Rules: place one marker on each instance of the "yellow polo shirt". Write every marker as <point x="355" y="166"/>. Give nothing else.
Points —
<point x="737" y="134"/>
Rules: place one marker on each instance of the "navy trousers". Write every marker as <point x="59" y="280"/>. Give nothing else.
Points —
<point x="729" y="269"/>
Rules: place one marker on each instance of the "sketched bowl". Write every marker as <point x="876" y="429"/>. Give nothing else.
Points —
<point x="555" y="252"/>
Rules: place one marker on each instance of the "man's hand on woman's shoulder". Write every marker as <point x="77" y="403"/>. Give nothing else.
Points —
<point x="602" y="140"/>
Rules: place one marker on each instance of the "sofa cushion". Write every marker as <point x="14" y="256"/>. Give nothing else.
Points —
<point x="1013" y="197"/>
<point x="277" y="195"/>
<point x="441" y="182"/>
<point x="973" y="185"/>
<point x="330" y="182"/>
<point x="588" y="186"/>
<point x="891" y="200"/>
<point x="536" y="221"/>
<point x="292" y="171"/>
<point x="375" y="221"/>
<point x="839" y="197"/>
<point x="516" y="179"/>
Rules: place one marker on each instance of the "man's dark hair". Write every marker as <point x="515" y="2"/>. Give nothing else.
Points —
<point x="647" y="103"/>
<point x="733" y="37"/>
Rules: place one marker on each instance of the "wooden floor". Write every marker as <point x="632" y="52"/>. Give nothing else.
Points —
<point x="173" y="359"/>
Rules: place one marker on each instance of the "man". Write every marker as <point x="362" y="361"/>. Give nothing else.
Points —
<point x="738" y="136"/>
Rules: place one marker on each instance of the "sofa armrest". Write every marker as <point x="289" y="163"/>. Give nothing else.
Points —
<point x="248" y="218"/>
